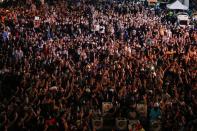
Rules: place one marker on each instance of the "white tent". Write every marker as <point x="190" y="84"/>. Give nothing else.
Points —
<point x="177" y="5"/>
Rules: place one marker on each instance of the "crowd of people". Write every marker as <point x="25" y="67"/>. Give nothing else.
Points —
<point x="59" y="62"/>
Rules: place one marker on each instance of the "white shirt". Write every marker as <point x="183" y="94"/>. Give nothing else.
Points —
<point x="19" y="54"/>
<point x="97" y="27"/>
<point x="102" y="29"/>
<point x="169" y="33"/>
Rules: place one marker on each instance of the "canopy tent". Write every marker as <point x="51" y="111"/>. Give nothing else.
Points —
<point x="177" y="5"/>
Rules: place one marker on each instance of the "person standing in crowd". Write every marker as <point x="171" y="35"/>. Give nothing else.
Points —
<point x="59" y="73"/>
